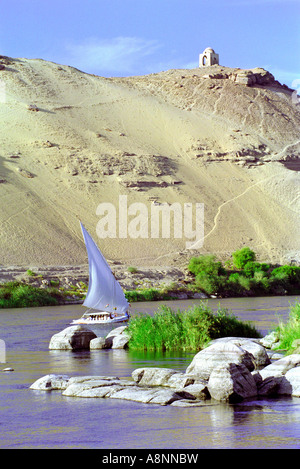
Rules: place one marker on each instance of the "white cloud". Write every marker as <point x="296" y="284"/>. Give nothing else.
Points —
<point x="116" y="55"/>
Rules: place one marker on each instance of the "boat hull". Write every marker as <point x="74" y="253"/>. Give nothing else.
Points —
<point x="101" y="327"/>
<point x="94" y="322"/>
<point x="100" y="318"/>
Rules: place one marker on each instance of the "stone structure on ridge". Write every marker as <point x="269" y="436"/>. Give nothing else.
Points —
<point x="208" y="57"/>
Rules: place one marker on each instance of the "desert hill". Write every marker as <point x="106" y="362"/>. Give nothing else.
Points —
<point x="227" y="138"/>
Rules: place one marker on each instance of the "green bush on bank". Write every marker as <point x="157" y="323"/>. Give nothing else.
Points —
<point x="242" y="256"/>
<point x="206" y="263"/>
<point x="243" y="275"/>
<point x="288" y="274"/>
<point x="21" y="295"/>
<point x="209" y="273"/>
<point x="145" y="294"/>
<point x="185" y="330"/>
<point x="251" y="268"/>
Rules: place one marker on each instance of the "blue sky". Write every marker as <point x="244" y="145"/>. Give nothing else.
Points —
<point x="136" y="37"/>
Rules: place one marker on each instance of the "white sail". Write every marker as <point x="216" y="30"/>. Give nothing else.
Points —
<point x="104" y="291"/>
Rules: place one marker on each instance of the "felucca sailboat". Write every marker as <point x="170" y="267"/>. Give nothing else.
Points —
<point x="105" y="298"/>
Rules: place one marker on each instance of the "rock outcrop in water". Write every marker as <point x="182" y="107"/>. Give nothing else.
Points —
<point x="229" y="370"/>
<point x="80" y="337"/>
<point x="72" y="338"/>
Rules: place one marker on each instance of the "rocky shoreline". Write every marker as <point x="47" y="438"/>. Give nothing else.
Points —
<point x="229" y="369"/>
<point x="129" y="276"/>
<point x="74" y="279"/>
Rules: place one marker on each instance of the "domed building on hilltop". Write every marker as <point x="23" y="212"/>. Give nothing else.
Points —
<point x="208" y="58"/>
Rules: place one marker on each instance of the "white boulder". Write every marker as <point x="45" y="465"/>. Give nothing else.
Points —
<point x="292" y="377"/>
<point x="219" y="353"/>
<point x="72" y="338"/>
<point x="253" y="346"/>
<point x="231" y="383"/>
<point x="152" y="376"/>
<point x="51" y="382"/>
<point x="281" y="366"/>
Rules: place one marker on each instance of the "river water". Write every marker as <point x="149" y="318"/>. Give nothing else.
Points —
<point x="35" y="419"/>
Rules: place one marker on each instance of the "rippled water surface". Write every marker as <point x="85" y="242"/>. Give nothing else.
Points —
<point x="34" y="419"/>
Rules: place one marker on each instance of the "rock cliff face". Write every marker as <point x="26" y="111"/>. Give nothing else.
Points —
<point x="227" y="138"/>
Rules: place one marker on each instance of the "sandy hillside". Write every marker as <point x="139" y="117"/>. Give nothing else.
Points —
<point x="71" y="141"/>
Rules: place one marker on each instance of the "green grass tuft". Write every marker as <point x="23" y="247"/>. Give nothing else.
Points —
<point x="290" y="332"/>
<point x="186" y="330"/>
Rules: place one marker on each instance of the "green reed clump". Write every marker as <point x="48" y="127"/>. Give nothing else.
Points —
<point x="145" y="294"/>
<point x="190" y="329"/>
<point x="21" y="295"/>
<point x="290" y="331"/>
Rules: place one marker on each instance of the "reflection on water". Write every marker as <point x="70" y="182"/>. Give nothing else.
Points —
<point x="33" y="419"/>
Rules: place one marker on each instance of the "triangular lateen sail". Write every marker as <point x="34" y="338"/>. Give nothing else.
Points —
<point x="104" y="291"/>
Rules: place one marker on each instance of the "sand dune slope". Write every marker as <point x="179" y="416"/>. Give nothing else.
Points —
<point x="71" y="141"/>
